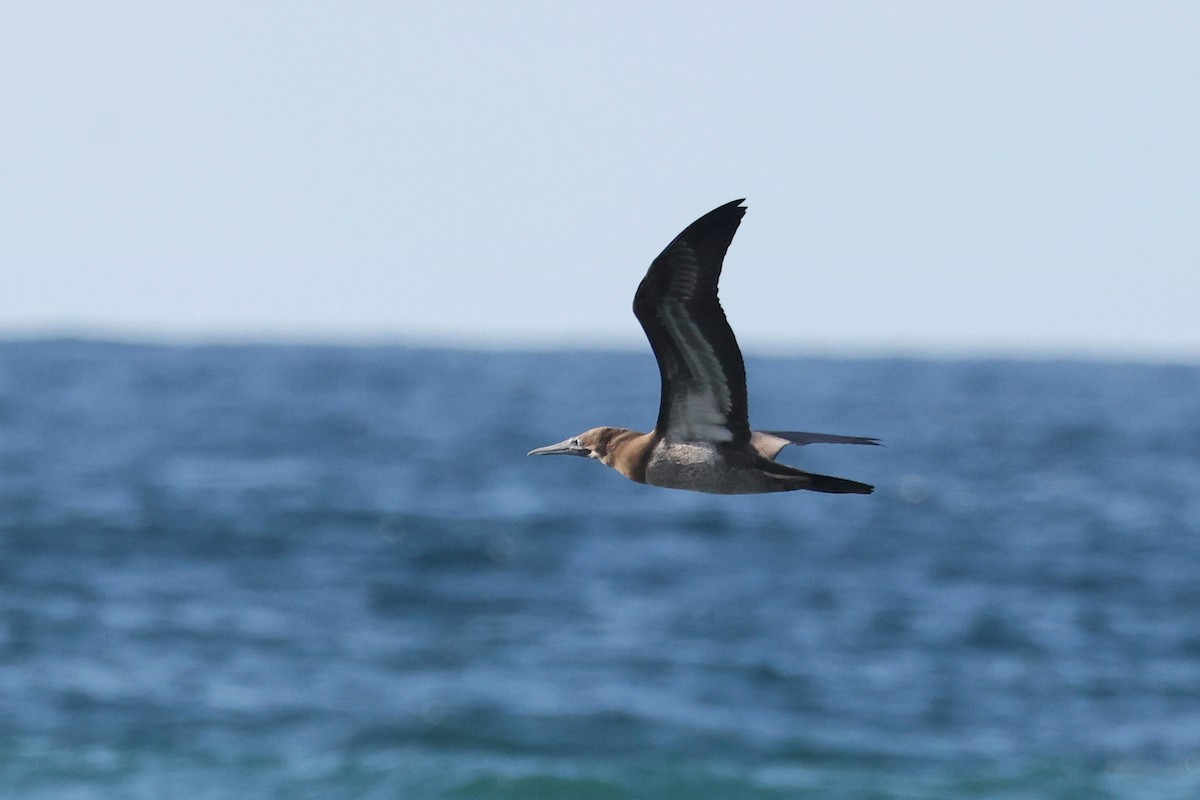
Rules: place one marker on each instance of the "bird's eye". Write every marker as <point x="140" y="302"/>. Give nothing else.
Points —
<point x="576" y="443"/>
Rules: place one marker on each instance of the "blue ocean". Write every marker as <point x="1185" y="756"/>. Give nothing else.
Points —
<point x="332" y="572"/>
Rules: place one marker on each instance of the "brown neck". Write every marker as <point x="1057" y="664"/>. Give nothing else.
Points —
<point x="628" y="453"/>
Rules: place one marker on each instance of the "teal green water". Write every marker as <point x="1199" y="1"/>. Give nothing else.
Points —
<point x="332" y="572"/>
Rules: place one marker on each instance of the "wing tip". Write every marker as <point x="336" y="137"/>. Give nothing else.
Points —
<point x="801" y="438"/>
<point x="733" y="205"/>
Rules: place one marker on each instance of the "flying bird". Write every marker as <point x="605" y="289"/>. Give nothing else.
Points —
<point x="702" y="439"/>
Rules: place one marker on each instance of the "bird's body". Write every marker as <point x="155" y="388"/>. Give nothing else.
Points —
<point x="702" y="467"/>
<point x="702" y="440"/>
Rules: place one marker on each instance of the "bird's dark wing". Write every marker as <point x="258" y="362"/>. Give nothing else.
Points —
<point x="703" y="377"/>
<point x="802" y="438"/>
<point x="769" y="443"/>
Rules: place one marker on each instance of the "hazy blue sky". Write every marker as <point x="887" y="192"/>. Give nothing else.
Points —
<point x="1015" y="177"/>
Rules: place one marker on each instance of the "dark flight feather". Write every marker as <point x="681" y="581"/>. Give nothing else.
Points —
<point x="703" y="375"/>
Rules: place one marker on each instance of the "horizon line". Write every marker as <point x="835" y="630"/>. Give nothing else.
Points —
<point x="751" y="348"/>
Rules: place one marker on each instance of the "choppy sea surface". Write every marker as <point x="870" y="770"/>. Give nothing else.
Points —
<point x="332" y="572"/>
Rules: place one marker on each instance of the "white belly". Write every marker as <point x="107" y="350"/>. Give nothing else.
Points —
<point x="699" y="467"/>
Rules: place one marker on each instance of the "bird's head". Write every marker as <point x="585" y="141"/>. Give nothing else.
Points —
<point x="592" y="443"/>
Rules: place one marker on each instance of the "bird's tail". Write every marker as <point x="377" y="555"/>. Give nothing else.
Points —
<point x="832" y="485"/>
<point x="791" y="479"/>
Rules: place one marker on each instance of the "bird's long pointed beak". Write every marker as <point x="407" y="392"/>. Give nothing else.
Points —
<point x="567" y="447"/>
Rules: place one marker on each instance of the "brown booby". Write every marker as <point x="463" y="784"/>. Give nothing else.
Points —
<point x="702" y="440"/>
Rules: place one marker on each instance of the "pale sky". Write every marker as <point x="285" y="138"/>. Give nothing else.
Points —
<point x="954" y="177"/>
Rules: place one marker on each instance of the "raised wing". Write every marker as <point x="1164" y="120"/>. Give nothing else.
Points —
<point x="703" y="376"/>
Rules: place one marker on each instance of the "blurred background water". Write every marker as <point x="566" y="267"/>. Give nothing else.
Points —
<point x="286" y="571"/>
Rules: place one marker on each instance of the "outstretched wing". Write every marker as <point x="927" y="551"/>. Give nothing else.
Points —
<point x="769" y="443"/>
<point x="703" y="376"/>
